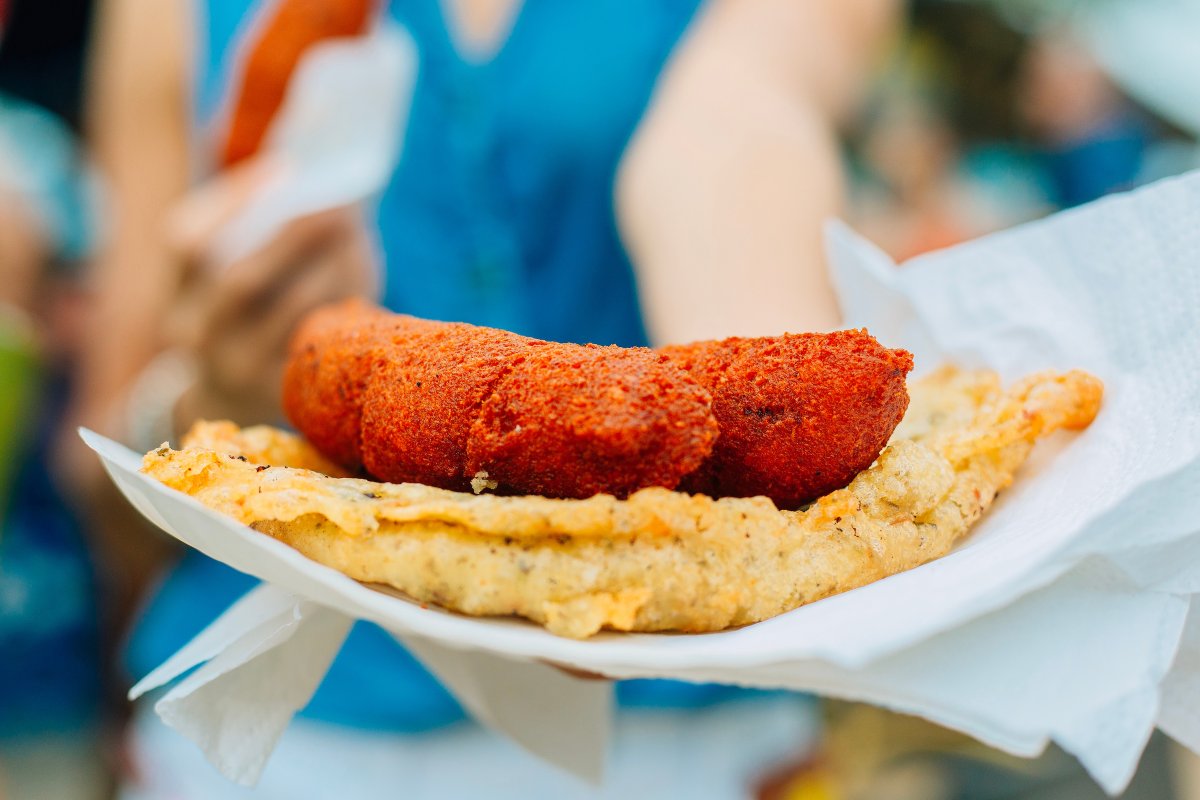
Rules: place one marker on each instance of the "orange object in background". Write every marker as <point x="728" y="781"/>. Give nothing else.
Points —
<point x="293" y="27"/>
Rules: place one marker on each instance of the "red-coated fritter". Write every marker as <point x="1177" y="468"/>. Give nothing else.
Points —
<point x="444" y="403"/>
<point x="452" y="405"/>
<point x="800" y="414"/>
<point x="284" y="32"/>
<point x="329" y="365"/>
<point x="660" y="560"/>
<point x="577" y="421"/>
<point x="424" y="394"/>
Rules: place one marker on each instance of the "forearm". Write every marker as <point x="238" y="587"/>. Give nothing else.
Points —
<point x="722" y="209"/>
<point x="724" y="191"/>
<point x="23" y="253"/>
<point x="138" y="131"/>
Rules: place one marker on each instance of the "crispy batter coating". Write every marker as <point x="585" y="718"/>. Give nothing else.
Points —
<point x="660" y="560"/>
<point x="327" y="372"/>
<point x="800" y="414"/>
<point x="262" y="444"/>
<point x="423" y="396"/>
<point x="447" y="403"/>
<point x="641" y="421"/>
<point x="454" y="405"/>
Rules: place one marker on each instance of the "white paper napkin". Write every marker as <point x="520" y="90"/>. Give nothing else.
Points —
<point x="336" y="138"/>
<point x="1064" y="616"/>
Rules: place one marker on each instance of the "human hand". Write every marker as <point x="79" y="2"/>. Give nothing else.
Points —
<point x="574" y="672"/>
<point x="235" y="319"/>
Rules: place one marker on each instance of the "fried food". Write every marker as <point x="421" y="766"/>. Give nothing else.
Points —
<point x="424" y="395"/>
<point x="448" y="404"/>
<point x="326" y="377"/>
<point x="262" y="444"/>
<point x="800" y="414"/>
<point x="660" y="560"/>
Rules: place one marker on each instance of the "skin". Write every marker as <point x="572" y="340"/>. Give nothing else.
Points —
<point x="156" y="283"/>
<point x="23" y="251"/>
<point x="725" y="187"/>
<point x="238" y="318"/>
<point x="733" y="165"/>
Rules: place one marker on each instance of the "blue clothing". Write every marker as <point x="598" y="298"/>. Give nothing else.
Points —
<point x="49" y="630"/>
<point x="1107" y="159"/>
<point x="499" y="213"/>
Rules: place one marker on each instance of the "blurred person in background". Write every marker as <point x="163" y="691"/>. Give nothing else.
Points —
<point x="590" y="172"/>
<point x="981" y="121"/>
<point x="50" y="662"/>
<point x="991" y="114"/>
<point x="1090" y="139"/>
<point x="1089" y="135"/>
<point x="936" y="157"/>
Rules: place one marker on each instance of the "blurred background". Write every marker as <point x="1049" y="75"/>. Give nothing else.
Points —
<point x="972" y="117"/>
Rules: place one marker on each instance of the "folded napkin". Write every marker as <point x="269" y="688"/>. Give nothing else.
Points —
<point x="1064" y="616"/>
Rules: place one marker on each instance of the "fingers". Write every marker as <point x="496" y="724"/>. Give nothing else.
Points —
<point x="248" y="285"/>
<point x="192" y="225"/>
<point x="245" y="342"/>
<point x="582" y="675"/>
<point x="331" y="277"/>
<point x="238" y="320"/>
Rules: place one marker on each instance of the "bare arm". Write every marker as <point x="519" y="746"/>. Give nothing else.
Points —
<point x="137" y="127"/>
<point x="156" y="284"/>
<point x="138" y="122"/>
<point x="723" y="191"/>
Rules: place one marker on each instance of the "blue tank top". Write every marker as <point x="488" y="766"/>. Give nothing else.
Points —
<point x="499" y="213"/>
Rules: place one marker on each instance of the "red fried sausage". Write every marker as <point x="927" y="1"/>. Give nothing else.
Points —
<point x="576" y="421"/>
<point x="800" y="414"/>
<point x="285" y="32"/>
<point x="789" y="417"/>
<point x="440" y="403"/>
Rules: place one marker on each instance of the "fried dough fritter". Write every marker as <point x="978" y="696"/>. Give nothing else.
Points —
<point x="577" y="421"/>
<point x="418" y="410"/>
<point x="326" y="377"/>
<point x="799" y="414"/>
<point x="789" y="417"/>
<point x="261" y="444"/>
<point x="277" y="43"/>
<point x="444" y="403"/>
<point x="660" y="560"/>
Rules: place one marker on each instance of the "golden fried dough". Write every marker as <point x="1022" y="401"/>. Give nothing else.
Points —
<point x="660" y="560"/>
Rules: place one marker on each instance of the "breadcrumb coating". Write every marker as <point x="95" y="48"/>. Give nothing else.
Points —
<point x="800" y="414"/>
<point x="578" y="421"/>
<point x="788" y="417"/>
<point x="437" y="403"/>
